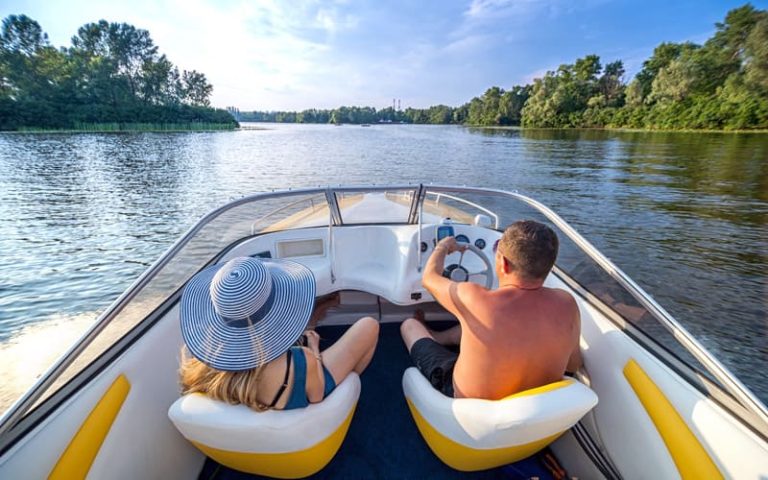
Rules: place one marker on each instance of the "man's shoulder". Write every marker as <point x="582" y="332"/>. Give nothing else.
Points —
<point x="565" y="303"/>
<point x="562" y="295"/>
<point x="471" y="289"/>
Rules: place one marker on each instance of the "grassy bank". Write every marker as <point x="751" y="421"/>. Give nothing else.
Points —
<point x="621" y="129"/>
<point x="134" y="127"/>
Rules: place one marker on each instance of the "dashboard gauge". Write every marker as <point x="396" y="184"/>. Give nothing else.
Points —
<point x="480" y="243"/>
<point x="462" y="239"/>
<point x="444" y="231"/>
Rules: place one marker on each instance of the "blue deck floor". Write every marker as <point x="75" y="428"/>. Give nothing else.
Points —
<point x="382" y="441"/>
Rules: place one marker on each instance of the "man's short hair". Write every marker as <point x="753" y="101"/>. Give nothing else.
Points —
<point x="529" y="248"/>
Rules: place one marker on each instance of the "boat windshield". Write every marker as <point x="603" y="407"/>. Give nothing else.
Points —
<point x="385" y="206"/>
<point x="579" y="264"/>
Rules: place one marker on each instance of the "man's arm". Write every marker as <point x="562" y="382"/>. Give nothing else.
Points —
<point x="575" y="361"/>
<point x="445" y="291"/>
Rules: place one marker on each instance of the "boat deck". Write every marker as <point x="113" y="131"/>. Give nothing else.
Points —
<point x="382" y="441"/>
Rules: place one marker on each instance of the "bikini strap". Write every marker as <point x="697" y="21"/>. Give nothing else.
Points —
<point x="285" y="380"/>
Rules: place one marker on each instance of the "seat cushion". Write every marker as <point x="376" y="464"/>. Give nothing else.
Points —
<point x="474" y="434"/>
<point x="279" y="443"/>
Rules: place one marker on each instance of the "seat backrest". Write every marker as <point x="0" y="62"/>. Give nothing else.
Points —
<point x="475" y="434"/>
<point x="279" y="443"/>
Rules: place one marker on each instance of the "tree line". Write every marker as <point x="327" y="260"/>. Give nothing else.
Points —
<point x="722" y="84"/>
<point x="111" y="74"/>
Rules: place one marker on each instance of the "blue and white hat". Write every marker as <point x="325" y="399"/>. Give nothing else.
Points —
<point x="247" y="312"/>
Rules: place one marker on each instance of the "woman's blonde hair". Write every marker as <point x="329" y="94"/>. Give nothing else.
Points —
<point x="231" y="387"/>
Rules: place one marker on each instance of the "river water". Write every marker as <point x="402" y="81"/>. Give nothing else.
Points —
<point x="82" y="215"/>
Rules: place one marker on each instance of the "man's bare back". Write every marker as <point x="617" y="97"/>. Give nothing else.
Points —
<point x="513" y="339"/>
<point x="519" y="336"/>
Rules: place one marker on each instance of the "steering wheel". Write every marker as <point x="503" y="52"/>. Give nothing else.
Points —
<point x="458" y="273"/>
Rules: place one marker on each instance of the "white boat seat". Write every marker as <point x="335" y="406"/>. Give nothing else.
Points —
<point x="276" y="443"/>
<point x="471" y="434"/>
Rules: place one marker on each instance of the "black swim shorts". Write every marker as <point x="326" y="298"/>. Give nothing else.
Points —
<point x="436" y="363"/>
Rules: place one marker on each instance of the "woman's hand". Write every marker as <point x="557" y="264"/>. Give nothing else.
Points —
<point x="313" y="342"/>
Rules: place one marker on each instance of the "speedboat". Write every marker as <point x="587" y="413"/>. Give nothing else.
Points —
<point x="658" y="404"/>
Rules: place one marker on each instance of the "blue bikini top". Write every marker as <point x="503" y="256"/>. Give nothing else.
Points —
<point x="298" y="398"/>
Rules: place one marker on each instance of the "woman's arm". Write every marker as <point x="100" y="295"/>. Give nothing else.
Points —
<point x="315" y="378"/>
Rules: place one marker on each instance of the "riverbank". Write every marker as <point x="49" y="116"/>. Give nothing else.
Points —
<point x="134" y="127"/>
<point x="616" y="129"/>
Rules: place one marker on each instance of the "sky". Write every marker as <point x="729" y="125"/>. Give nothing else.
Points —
<point x="298" y="54"/>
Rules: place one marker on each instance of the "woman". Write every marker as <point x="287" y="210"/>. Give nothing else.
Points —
<point x="240" y="322"/>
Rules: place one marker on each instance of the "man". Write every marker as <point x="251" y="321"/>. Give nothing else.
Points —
<point x="519" y="336"/>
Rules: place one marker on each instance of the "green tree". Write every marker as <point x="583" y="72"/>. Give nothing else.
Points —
<point x="22" y="41"/>
<point x="733" y="34"/>
<point x="587" y="69"/>
<point x="662" y="56"/>
<point x="511" y="105"/>
<point x="125" y="50"/>
<point x="111" y="73"/>
<point x="611" y="85"/>
<point x="196" y="88"/>
<point x="756" y="56"/>
<point x="559" y="98"/>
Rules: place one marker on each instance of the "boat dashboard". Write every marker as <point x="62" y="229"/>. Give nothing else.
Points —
<point x="384" y="260"/>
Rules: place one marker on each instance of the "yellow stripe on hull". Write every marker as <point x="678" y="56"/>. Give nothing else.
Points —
<point x="690" y="457"/>
<point x="283" y="465"/>
<point x="466" y="459"/>
<point x="79" y="455"/>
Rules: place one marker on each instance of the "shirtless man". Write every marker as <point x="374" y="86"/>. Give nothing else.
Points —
<point x="519" y="336"/>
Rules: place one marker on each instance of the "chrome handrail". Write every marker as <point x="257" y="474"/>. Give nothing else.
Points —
<point x="471" y="204"/>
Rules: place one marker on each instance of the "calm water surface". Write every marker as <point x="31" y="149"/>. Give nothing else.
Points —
<point x="684" y="214"/>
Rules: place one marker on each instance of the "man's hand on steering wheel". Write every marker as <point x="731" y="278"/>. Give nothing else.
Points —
<point x="456" y="272"/>
<point x="440" y="280"/>
<point x="450" y="245"/>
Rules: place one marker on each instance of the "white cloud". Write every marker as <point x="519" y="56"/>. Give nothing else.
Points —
<point x="331" y="21"/>
<point x="468" y="44"/>
<point x="529" y="78"/>
<point x="483" y="9"/>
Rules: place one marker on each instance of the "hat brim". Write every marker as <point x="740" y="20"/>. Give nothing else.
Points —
<point x="213" y="341"/>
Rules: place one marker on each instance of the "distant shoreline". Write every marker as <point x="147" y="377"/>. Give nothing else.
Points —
<point x="518" y="127"/>
<point x="618" y="129"/>
<point x="133" y="128"/>
<point x="218" y="127"/>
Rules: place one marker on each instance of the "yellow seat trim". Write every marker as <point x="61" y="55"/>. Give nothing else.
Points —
<point x="542" y="389"/>
<point x="283" y="465"/>
<point x="79" y="455"/>
<point x="690" y="457"/>
<point x="467" y="459"/>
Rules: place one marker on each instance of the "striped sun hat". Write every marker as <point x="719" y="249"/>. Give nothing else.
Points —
<point x="247" y="312"/>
